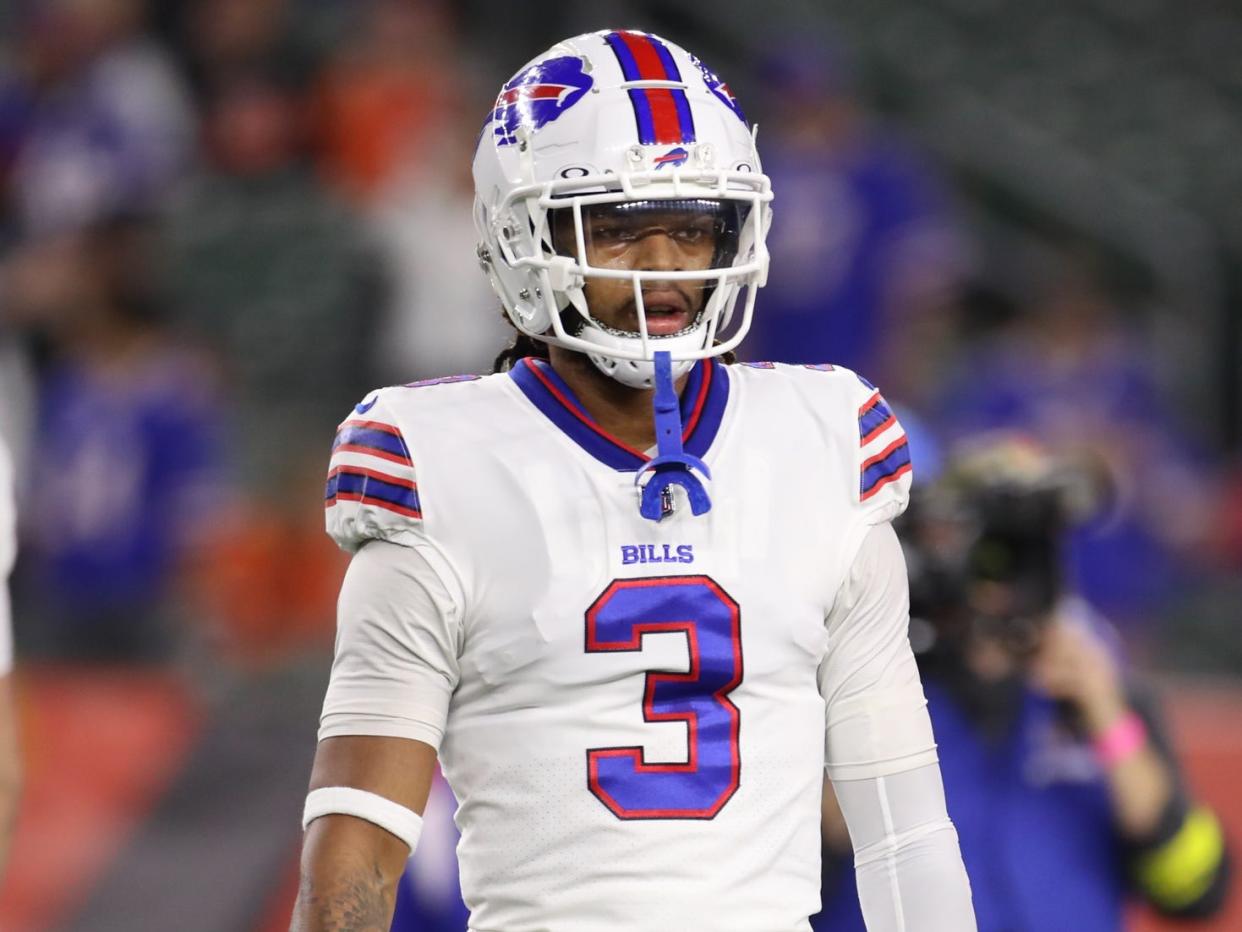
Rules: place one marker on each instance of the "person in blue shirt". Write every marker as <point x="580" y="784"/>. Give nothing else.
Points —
<point x="127" y="455"/>
<point x="1060" y="778"/>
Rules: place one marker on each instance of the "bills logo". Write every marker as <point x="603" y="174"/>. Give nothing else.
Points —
<point x="673" y="157"/>
<point x="719" y="88"/>
<point x="657" y="553"/>
<point x="537" y="96"/>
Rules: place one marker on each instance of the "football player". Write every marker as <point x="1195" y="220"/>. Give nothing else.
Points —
<point x="635" y="598"/>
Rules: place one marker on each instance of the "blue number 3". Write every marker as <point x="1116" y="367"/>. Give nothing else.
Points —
<point x="711" y="621"/>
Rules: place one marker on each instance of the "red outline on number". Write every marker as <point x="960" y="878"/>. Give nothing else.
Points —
<point x="721" y="696"/>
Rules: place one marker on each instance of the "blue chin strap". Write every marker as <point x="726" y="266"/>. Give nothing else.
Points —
<point x="672" y="464"/>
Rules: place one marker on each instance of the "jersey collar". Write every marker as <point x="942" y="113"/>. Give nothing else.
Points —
<point x="702" y="409"/>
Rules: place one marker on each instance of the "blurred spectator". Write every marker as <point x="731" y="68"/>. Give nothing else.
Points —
<point x="443" y="318"/>
<point x="1071" y="372"/>
<point x="389" y="93"/>
<point x="279" y="277"/>
<point x="219" y="37"/>
<point x="1230" y="529"/>
<point x="109" y="127"/>
<point x="283" y="280"/>
<point x="1059" y="775"/>
<point x="127" y="449"/>
<point x="867" y="247"/>
<point x="268" y="585"/>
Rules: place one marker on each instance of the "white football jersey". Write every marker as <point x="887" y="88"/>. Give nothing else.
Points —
<point x="634" y="716"/>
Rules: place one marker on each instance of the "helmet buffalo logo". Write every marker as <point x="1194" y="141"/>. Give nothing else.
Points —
<point x="719" y="88"/>
<point x="537" y="96"/>
<point x="672" y="157"/>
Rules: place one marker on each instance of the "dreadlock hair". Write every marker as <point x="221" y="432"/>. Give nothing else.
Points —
<point x="521" y="347"/>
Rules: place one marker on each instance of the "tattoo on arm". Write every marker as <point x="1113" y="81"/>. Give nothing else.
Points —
<point x="356" y="901"/>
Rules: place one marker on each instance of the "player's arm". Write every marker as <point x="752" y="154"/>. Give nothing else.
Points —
<point x="350" y="865"/>
<point x="881" y="756"/>
<point x="384" y="715"/>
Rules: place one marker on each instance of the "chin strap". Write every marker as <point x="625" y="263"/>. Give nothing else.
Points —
<point x="672" y="465"/>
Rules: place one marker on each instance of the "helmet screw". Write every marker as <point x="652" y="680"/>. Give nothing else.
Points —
<point x="484" y="254"/>
<point x="524" y="294"/>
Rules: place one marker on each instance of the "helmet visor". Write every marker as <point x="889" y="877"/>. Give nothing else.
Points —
<point x="664" y="235"/>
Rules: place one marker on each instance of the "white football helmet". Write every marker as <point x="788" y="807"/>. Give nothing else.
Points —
<point x="628" y="123"/>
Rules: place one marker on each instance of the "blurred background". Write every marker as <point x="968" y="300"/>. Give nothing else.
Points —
<point x="222" y="221"/>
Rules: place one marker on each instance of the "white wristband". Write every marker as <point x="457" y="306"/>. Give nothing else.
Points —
<point x="405" y="823"/>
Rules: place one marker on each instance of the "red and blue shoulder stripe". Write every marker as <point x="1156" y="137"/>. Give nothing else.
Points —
<point x="878" y="428"/>
<point x="885" y="467"/>
<point x="374" y="438"/>
<point x="368" y="487"/>
<point x="371" y="465"/>
<point x="874" y="417"/>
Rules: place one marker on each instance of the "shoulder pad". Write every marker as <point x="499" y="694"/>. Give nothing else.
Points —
<point x="372" y="491"/>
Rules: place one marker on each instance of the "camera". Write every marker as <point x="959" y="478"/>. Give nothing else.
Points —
<point x="985" y="543"/>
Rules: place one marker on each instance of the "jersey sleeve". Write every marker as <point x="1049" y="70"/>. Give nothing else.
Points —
<point x="885" y="470"/>
<point x="372" y="490"/>
<point x="877" y="721"/>
<point x="398" y="641"/>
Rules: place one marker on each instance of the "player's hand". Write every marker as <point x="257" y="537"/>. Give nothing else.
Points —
<point x="1074" y="665"/>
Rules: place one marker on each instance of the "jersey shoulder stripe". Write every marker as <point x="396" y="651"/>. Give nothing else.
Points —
<point x="371" y="489"/>
<point x="889" y="465"/>
<point x="374" y="438"/>
<point x="874" y="417"/>
<point x="883" y="449"/>
<point x="366" y="486"/>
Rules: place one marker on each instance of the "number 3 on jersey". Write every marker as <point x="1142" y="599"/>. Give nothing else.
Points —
<point x="711" y="621"/>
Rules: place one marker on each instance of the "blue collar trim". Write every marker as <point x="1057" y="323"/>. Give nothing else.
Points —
<point x="702" y="404"/>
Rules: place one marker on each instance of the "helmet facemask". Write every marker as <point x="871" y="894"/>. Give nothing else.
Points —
<point x="665" y="272"/>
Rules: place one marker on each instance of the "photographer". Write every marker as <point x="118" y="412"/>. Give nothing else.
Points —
<point x="1059" y="776"/>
